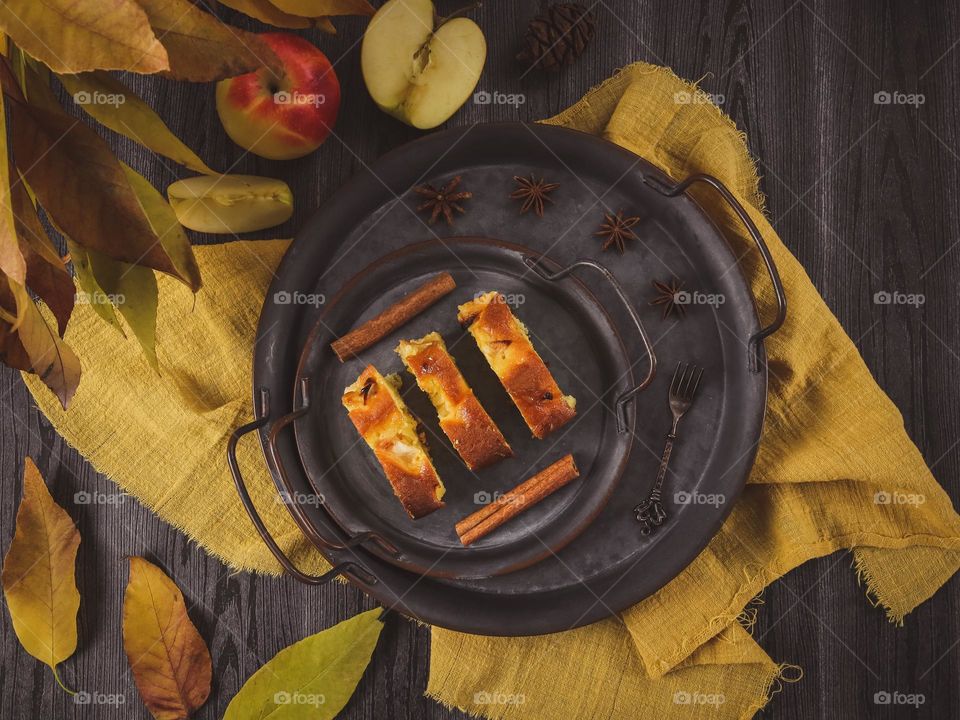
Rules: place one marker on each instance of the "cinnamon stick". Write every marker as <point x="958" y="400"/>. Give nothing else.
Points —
<point x="398" y="314"/>
<point x="512" y="503"/>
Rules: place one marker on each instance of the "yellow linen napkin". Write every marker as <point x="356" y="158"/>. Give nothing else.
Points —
<point x="835" y="468"/>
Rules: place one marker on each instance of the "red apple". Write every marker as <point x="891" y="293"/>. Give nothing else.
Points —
<point x="287" y="116"/>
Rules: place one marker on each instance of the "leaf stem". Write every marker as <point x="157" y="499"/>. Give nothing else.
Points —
<point x="56" y="676"/>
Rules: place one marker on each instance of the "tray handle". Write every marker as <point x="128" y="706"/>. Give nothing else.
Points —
<point x="626" y="396"/>
<point x="755" y="342"/>
<point x="261" y="418"/>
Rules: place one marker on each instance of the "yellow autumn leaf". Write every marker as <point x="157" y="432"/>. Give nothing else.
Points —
<point x="201" y="48"/>
<point x="266" y="12"/>
<point x="39" y="575"/>
<point x="316" y="8"/>
<point x="114" y="105"/>
<point x="170" y="662"/>
<point x="72" y="36"/>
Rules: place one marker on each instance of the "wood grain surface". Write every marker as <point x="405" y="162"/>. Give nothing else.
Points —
<point x="864" y="193"/>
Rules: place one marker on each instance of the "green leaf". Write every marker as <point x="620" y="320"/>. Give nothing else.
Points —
<point x="113" y="104"/>
<point x="169" y="231"/>
<point x="132" y="290"/>
<point x="78" y="35"/>
<point x="89" y="287"/>
<point x="312" y="678"/>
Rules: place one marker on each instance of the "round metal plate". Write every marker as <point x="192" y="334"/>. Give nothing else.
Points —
<point x="610" y="565"/>
<point x="563" y="318"/>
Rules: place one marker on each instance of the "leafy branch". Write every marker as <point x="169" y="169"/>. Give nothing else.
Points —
<point x="116" y="229"/>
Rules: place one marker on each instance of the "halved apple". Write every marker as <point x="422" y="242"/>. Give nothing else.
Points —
<point x="417" y="71"/>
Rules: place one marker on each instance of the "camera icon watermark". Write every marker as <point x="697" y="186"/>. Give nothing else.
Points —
<point x="283" y="697"/>
<point x="484" y="97"/>
<point x="98" y="297"/>
<point x="84" y="97"/>
<point x="284" y="297"/>
<point x="485" y="697"/>
<point x="882" y="497"/>
<point x="683" y="497"/>
<point x="284" y="97"/>
<point x="83" y="697"/>
<point x="485" y="497"/>
<point x="685" y="97"/>
<point x="886" y="697"/>
<point x="685" y="697"/>
<point x="895" y="97"/>
<point x="885" y="297"/>
<point x="513" y="299"/>
<point x="684" y="297"/>
<point x="85" y="497"/>
<point x="298" y="498"/>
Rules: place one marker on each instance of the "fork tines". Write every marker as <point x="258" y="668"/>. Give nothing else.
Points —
<point x="686" y="379"/>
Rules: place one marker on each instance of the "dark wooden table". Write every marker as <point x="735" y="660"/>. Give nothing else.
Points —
<point x="864" y="193"/>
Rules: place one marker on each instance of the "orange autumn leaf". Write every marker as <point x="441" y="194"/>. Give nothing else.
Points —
<point x="39" y="575"/>
<point x="170" y="662"/>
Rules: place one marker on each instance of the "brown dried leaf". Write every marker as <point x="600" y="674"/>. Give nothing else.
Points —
<point x="202" y="48"/>
<point x="47" y="275"/>
<point x="84" y="189"/>
<point x="316" y="8"/>
<point x="170" y="662"/>
<point x="77" y="35"/>
<point x="39" y="574"/>
<point x="33" y="346"/>
<point x="12" y="261"/>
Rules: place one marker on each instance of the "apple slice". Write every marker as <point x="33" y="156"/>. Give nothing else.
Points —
<point x="418" y="72"/>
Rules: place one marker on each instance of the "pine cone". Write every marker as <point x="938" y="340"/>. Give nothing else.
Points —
<point x="557" y="37"/>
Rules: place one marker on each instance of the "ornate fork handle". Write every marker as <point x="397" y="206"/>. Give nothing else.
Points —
<point x="651" y="512"/>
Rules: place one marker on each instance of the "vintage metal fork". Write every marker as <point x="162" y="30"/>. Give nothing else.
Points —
<point x="686" y="378"/>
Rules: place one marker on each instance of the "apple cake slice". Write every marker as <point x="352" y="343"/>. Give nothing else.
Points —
<point x="474" y="435"/>
<point x="383" y="420"/>
<point x="506" y="345"/>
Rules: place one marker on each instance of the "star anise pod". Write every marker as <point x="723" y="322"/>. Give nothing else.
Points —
<point x="616" y="230"/>
<point x="443" y="201"/>
<point x="668" y="295"/>
<point x="533" y="193"/>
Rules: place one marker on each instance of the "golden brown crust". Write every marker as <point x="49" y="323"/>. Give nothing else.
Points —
<point x="474" y="435"/>
<point x="504" y="342"/>
<point x="383" y="420"/>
